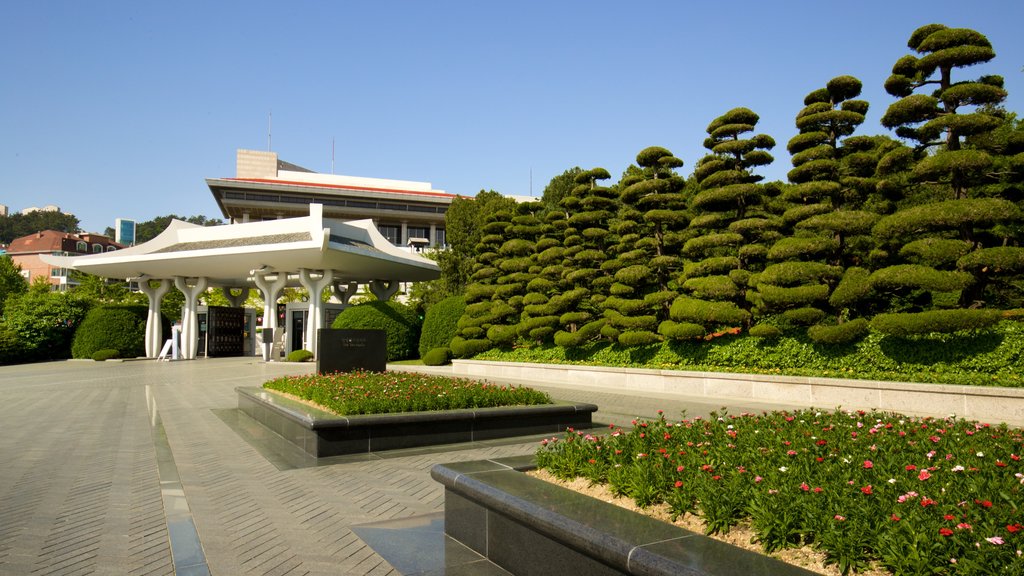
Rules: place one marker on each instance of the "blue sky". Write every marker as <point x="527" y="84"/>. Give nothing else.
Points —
<point x="121" y="109"/>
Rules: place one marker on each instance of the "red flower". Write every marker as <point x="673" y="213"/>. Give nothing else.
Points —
<point x="866" y="489"/>
<point x="949" y="517"/>
<point x="868" y="464"/>
<point x="1000" y="464"/>
<point x="679" y="483"/>
<point x="911" y="468"/>
<point x="924" y="475"/>
<point x="804" y="486"/>
<point x="1014" y="528"/>
<point x="945" y="532"/>
<point x="894" y="518"/>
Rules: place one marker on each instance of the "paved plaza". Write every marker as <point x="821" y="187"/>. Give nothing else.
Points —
<point x="103" y="465"/>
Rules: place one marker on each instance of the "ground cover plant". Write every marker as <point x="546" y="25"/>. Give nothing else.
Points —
<point x="387" y="392"/>
<point x="990" y="357"/>
<point x="915" y="495"/>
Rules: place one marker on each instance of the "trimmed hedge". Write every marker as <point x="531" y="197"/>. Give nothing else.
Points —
<point x="440" y="323"/>
<point x="105" y="354"/>
<point x="112" y="327"/>
<point x="299" y="356"/>
<point x="399" y="322"/>
<point x="438" y="357"/>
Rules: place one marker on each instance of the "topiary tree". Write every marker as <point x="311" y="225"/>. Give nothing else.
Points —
<point x="398" y="321"/>
<point x="733" y="225"/>
<point x="650" y="227"/>
<point x="441" y="323"/>
<point x="482" y="311"/>
<point x="120" y="327"/>
<point x="952" y="178"/>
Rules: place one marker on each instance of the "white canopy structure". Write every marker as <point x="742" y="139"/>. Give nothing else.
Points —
<point x="312" y="251"/>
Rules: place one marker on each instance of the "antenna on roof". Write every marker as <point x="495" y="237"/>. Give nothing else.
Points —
<point x="270" y="118"/>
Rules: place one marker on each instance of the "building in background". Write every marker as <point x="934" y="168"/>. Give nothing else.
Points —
<point x="47" y="208"/>
<point x="124" y="231"/>
<point x="3" y="210"/>
<point x="409" y="214"/>
<point x="25" y="252"/>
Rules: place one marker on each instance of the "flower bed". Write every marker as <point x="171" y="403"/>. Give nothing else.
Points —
<point x="389" y="392"/>
<point x="918" y="496"/>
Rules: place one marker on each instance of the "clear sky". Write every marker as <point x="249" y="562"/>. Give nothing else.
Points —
<point x="121" y="108"/>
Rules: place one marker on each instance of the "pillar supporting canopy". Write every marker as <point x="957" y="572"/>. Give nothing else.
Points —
<point x="235" y="300"/>
<point x="315" y="287"/>
<point x="384" y="289"/>
<point x="189" y="320"/>
<point x="154" y="320"/>
<point x="344" y="291"/>
<point x="271" y="289"/>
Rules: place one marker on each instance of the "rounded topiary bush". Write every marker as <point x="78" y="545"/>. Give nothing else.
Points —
<point x="441" y="323"/>
<point x="299" y="356"/>
<point x="115" y="327"/>
<point x="437" y="356"/>
<point x="105" y="354"/>
<point x="399" y="323"/>
<point x="839" y="333"/>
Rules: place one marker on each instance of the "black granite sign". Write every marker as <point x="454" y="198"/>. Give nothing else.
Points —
<point x="351" y="350"/>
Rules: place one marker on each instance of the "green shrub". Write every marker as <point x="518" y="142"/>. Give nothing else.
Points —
<point x="299" y="356"/>
<point x="707" y="313"/>
<point x="917" y="276"/>
<point x="441" y="323"/>
<point x="399" y="322"/>
<point x="44" y="323"/>
<point x="839" y="334"/>
<point x="634" y="338"/>
<point x="934" y="321"/>
<point x="804" y="316"/>
<point x="11" y="349"/>
<point x="105" y="354"/>
<point x="767" y="331"/>
<point x="438" y="356"/>
<point x="463" y="348"/>
<point x="117" y="327"/>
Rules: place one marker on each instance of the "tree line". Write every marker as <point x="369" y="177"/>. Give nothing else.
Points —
<point x="910" y="235"/>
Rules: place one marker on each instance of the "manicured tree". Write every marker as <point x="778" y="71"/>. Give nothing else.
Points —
<point x="538" y="318"/>
<point x="649" y="227"/>
<point x="733" y="225"/>
<point x="440" y="323"/>
<point x="588" y="240"/>
<point x="826" y="230"/>
<point x="956" y="223"/>
<point x="481" y="310"/>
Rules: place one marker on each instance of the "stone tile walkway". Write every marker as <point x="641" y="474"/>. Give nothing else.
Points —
<point x="81" y="467"/>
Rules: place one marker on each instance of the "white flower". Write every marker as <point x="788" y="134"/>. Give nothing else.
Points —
<point x="958" y="468"/>
<point x="783" y="469"/>
<point x="980" y="454"/>
<point x="891" y="480"/>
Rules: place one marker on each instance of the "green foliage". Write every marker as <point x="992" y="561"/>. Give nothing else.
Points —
<point x="441" y="323"/>
<point x="707" y="313"/>
<point x="437" y="356"/>
<point x="467" y="348"/>
<point x="916" y="276"/>
<point x="767" y="331"/>
<point x="398" y="321"/>
<point x="390" y="392"/>
<point x="840" y="333"/>
<point x="44" y="322"/>
<point x="300" y="356"/>
<point x="105" y="354"/>
<point x="113" y="326"/>
<point x="17" y="225"/>
<point x="934" y="321"/>
<point x="12" y="283"/>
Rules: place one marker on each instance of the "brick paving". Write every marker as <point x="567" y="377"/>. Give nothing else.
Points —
<point x="80" y="489"/>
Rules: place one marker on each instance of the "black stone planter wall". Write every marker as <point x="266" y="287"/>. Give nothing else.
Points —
<point x="528" y="526"/>
<point x="321" y="433"/>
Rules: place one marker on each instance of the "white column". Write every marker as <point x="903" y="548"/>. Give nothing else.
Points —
<point x="154" y="320"/>
<point x="344" y="291"/>
<point x="235" y="300"/>
<point x="189" y="321"/>
<point x="314" y="286"/>
<point x="271" y="290"/>
<point x="384" y="289"/>
<point x="433" y="235"/>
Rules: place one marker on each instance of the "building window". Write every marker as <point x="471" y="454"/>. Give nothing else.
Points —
<point x="391" y="232"/>
<point x="81" y="246"/>
<point x="96" y="248"/>
<point x="58" y="272"/>
<point x="111" y="248"/>
<point x="439" y="238"/>
<point x="418" y="232"/>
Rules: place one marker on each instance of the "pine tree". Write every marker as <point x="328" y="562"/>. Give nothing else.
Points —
<point x="650" y="219"/>
<point x="948" y="238"/>
<point x="733" y="225"/>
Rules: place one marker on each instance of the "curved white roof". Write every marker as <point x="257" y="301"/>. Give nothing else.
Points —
<point x="228" y="255"/>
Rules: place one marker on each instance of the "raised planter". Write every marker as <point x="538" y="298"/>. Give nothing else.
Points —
<point x="528" y="526"/>
<point x="321" y="433"/>
<point x="989" y="404"/>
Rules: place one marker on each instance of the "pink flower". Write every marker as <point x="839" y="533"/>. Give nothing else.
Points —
<point x="924" y="475"/>
<point x="804" y="486"/>
<point x="679" y="483"/>
<point x="997" y="540"/>
<point x="839" y="517"/>
<point x="868" y="464"/>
